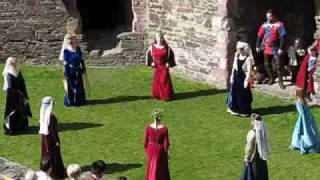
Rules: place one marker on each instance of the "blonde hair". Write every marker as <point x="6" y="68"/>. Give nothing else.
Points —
<point x="74" y="171"/>
<point x="30" y="175"/>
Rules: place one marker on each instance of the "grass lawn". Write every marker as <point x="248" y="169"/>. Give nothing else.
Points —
<point x="206" y="142"/>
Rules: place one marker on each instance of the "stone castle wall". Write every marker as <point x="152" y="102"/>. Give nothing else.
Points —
<point x="31" y="29"/>
<point x="198" y="33"/>
<point x="201" y="33"/>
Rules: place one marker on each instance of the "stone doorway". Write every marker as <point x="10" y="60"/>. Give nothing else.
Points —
<point x="298" y="17"/>
<point x="102" y="23"/>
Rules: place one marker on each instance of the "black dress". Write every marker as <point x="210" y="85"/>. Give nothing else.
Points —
<point x="256" y="170"/>
<point x="239" y="99"/>
<point x="17" y="108"/>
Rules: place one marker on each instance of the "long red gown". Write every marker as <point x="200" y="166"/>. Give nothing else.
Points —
<point x="156" y="144"/>
<point x="305" y="78"/>
<point x="161" y="87"/>
<point x="50" y="150"/>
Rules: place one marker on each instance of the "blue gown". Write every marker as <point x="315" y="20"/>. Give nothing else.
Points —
<point x="73" y="71"/>
<point x="239" y="99"/>
<point x="305" y="136"/>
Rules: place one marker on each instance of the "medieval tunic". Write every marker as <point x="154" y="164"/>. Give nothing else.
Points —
<point x="74" y="68"/>
<point x="17" y="108"/>
<point x="257" y="168"/>
<point x="50" y="149"/>
<point x="162" y="86"/>
<point x="156" y="144"/>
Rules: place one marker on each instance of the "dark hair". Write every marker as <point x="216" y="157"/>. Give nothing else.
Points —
<point x="122" y="178"/>
<point x="271" y="11"/>
<point x="45" y="165"/>
<point x="98" y="167"/>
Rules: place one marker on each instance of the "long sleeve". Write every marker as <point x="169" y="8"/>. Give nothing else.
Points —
<point x="261" y="33"/>
<point x="302" y="74"/>
<point x="47" y="145"/>
<point x="250" y="146"/>
<point x="83" y="65"/>
<point x="166" y="143"/>
<point x="149" y="58"/>
<point x="23" y="86"/>
<point x="66" y="66"/>
<point x="171" y="58"/>
<point x="146" y="138"/>
<point x="249" y="68"/>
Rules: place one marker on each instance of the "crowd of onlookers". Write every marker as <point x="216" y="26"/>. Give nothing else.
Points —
<point x="74" y="172"/>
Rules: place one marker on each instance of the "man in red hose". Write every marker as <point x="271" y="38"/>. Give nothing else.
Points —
<point x="270" y="40"/>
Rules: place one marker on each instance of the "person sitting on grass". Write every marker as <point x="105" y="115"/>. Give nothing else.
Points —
<point x="74" y="172"/>
<point x="45" y="170"/>
<point x="30" y="175"/>
<point x="97" y="170"/>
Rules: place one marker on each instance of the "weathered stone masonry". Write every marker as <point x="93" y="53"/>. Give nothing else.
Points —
<point x="202" y="33"/>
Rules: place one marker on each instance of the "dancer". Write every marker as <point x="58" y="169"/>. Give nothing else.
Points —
<point x="156" y="144"/>
<point x="160" y="56"/>
<point x="257" y="151"/>
<point x="50" y="149"/>
<point x="240" y="97"/>
<point x="74" y="70"/>
<point x="17" y="109"/>
<point x="305" y="75"/>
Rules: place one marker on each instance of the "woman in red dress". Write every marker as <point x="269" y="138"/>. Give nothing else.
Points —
<point x="50" y="148"/>
<point x="304" y="83"/>
<point x="161" y="58"/>
<point x="156" y="144"/>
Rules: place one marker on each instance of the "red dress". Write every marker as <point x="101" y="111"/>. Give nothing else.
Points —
<point x="156" y="144"/>
<point x="305" y="78"/>
<point x="161" y="86"/>
<point x="50" y="150"/>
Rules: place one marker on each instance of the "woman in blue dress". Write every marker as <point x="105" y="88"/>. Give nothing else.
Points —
<point x="240" y="97"/>
<point x="305" y="137"/>
<point x="74" y="69"/>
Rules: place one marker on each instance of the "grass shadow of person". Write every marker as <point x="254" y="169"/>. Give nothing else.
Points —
<point x="275" y="109"/>
<point x="115" y="167"/>
<point x="117" y="99"/>
<point x="72" y="126"/>
<point x="189" y="95"/>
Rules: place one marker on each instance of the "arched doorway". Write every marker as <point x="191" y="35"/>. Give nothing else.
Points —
<point x="102" y="21"/>
<point x="298" y="17"/>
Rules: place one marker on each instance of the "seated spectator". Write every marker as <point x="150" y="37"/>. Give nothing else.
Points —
<point x="97" y="171"/>
<point x="30" y="175"/>
<point x="74" y="171"/>
<point x="45" y="169"/>
<point x="122" y="178"/>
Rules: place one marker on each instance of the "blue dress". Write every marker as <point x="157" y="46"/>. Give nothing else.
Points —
<point x="305" y="136"/>
<point x="73" y="71"/>
<point x="239" y="99"/>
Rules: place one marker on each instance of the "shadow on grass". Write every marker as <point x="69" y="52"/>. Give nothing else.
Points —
<point x="275" y="109"/>
<point x="118" y="99"/>
<point x="189" y="95"/>
<point x="115" y="167"/>
<point x="73" y="126"/>
<point x="177" y="96"/>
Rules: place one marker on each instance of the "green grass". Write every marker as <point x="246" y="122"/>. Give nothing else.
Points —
<point x="206" y="142"/>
